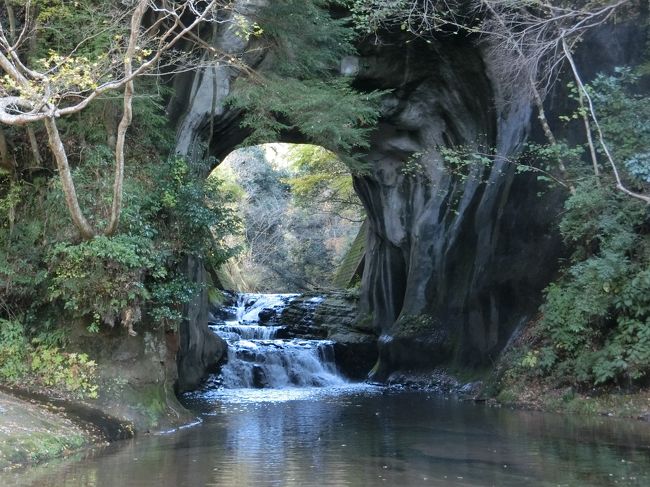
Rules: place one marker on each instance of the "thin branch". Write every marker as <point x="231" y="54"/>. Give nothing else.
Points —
<point x="601" y="137"/>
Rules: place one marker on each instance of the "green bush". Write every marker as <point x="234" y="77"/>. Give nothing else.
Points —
<point x="596" y="317"/>
<point x="41" y="363"/>
<point x="13" y="350"/>
<point x="171" y="213"/>
<point x="74" y="373"/>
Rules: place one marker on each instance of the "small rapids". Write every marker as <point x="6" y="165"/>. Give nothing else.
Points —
<point x="259" y="358"/>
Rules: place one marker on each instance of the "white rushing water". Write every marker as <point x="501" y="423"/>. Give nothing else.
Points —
<point x="258" y="359"/>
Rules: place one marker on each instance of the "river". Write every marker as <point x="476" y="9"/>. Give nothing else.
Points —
<point x="280" y="415"/>
<point x="362" y="435"/>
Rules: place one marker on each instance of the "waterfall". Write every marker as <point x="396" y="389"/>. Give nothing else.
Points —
<point x="257" y="358"/>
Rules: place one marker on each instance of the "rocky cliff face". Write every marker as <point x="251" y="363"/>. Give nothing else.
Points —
<point x="456" y="256"/>
<point x="199" y="350"/>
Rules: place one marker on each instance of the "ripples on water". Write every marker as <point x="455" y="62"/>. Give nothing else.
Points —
<point x="362" y="435"/>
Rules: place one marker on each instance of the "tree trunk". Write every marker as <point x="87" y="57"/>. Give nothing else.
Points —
<point x="5" y="162"/>
<point x="11" y="16"/>
<point x="127" y="117"/>
<point x="34" y="144"/>
<point x="71" y="200"/>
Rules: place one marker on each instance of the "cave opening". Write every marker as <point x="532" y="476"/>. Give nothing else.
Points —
<point x="300" y="219"/>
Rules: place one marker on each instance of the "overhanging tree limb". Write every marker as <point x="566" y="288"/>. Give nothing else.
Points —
<point x="34" y="96"/>
<point x="601" y="137"/>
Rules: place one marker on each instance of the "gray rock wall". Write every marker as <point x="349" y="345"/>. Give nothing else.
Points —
<point x="199" y="350"/>
<point x="199" y="96"/>
<point x="456" y="257"/>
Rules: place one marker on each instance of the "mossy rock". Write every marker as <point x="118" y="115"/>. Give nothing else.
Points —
<point x="32" y="433"/>
<point x="413" y="325"/>
<point x="365" y="322"/>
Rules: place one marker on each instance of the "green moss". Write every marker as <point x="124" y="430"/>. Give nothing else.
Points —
<point x="365" y="322"/>
<point x="149" y="402"/>
<point x="346" y="272"/>
<point x="409" y="325"/>
<point x="38" y="446"/>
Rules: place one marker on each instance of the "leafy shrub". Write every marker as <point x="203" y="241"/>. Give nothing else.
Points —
<point x="71" y="372"/>
<point x="41" y="363"/>
<point x="102" y="275"/>
<point x="597" y="315"/>
<point x="13" y="350"/>
<point x="171" y="213"/>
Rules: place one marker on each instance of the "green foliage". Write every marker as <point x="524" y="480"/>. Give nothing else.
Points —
<point x="170" y="211"/>
<point x="545" y="160"/>
<point x="596" y="318"/>
<point x="197" y="212"/>
<point x="87" y="26"/>
<point x="371" y="16"/>
<point x="308" y="42"/>
<point x="624" y="112"/>
<point x="463" y="161"/>
<point x="41" y="363"/>
<point x="102" y="275"/>
<point x="639" y="166"/>
<point x="328" y="113"/>
<point x="304" y="92"/>
<point x="74" y="373"/>
<point x="322" y="178"/>
<point x="13" y="350"/>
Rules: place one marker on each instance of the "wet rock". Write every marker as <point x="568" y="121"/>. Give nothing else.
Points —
<point x="334" y="316"/>
<point x="259" y="377"/>
<point x="199" y="350"/>
<point x="438" y="381"/>
<point x="440" y="244"/>
<point x="266" y="314"/>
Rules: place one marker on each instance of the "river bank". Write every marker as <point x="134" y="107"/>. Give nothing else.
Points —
<point x="522" y="393"/>
<point x="540" y="397"/>
<point x="33" y="432"/>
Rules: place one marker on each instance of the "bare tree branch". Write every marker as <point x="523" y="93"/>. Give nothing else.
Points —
<point x="601" y="137"/>
<point x="35" y="95"/>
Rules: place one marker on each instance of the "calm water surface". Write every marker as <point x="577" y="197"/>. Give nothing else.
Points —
<point x="360" y="435"/>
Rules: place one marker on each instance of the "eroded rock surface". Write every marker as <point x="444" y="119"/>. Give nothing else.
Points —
<point x="199" y="350"/>
<point x="453" y="260"/>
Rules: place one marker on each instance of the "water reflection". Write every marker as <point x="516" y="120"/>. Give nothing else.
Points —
<point x="364" y="436"/>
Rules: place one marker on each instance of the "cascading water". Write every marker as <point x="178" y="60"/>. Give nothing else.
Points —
<point x="257" y="358"/>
